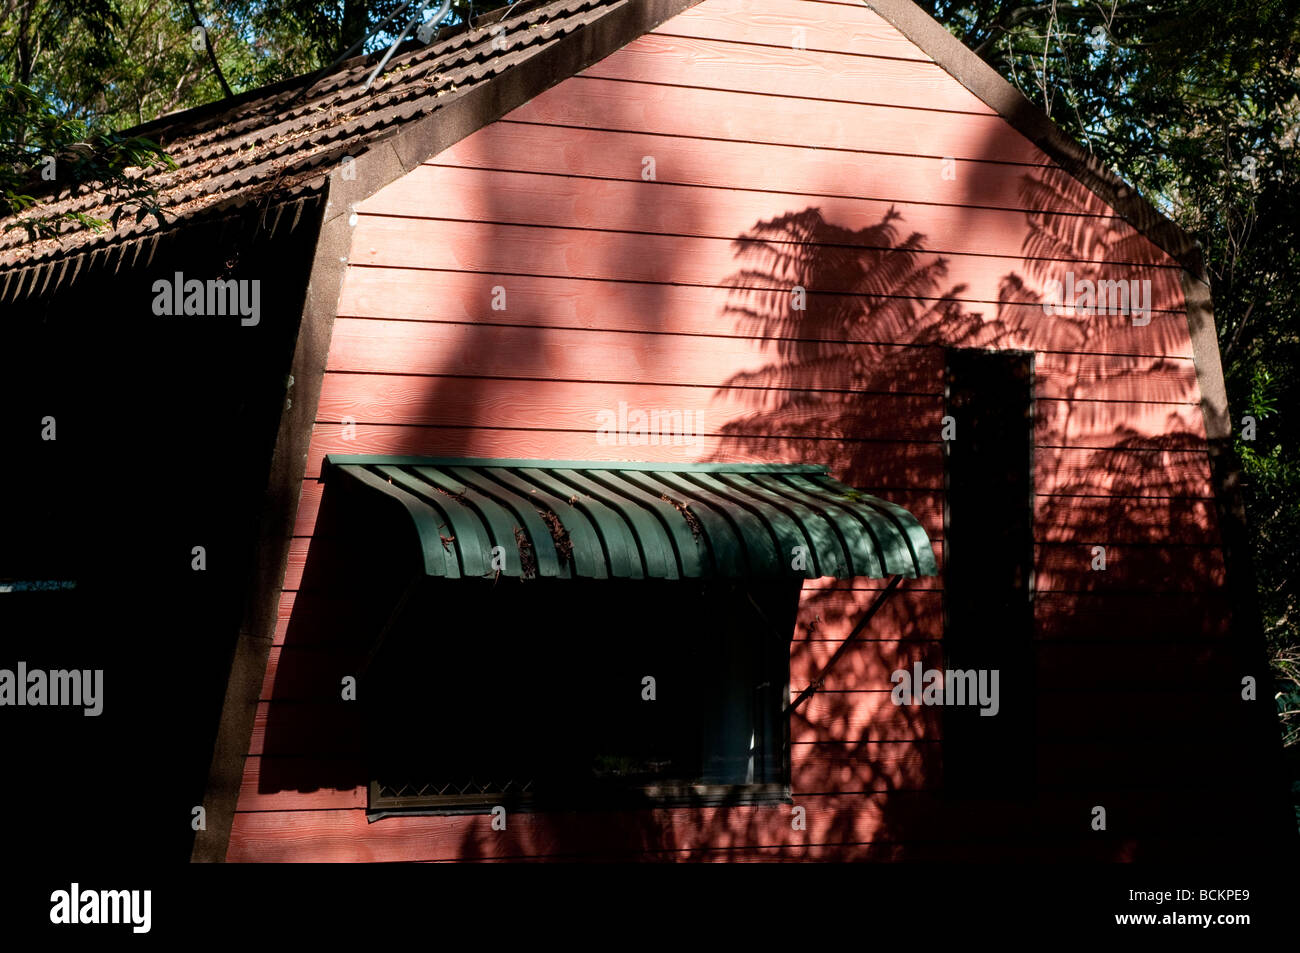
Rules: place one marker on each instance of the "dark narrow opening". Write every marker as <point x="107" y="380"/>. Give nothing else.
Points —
<point x="988" y="572"/>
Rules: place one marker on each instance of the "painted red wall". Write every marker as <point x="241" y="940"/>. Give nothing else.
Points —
<point x="617" y="289"/>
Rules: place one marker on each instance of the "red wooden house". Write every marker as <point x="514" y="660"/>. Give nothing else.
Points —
<point x="718" y="430"/>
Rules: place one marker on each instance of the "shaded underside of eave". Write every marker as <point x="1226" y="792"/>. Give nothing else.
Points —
<point x="574" y="519"/>
<point x="285" y="215"/>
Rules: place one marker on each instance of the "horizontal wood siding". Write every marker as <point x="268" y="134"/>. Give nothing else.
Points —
<point x="621" y="287"/>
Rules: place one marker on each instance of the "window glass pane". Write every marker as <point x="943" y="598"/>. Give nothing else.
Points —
<point x="572" y="691"/>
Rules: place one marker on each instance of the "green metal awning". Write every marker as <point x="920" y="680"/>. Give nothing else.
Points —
<point x="583" y="519"/>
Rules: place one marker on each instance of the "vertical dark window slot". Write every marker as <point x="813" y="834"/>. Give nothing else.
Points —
<point x="988" y="556"/>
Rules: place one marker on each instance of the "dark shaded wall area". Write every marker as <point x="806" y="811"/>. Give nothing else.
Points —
<point x="163" y="427"/>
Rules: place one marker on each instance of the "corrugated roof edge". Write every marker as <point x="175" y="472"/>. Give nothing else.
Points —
<point x="366" y="459"/>
<point x="642" y="520"/>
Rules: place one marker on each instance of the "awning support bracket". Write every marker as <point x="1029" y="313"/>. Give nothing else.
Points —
<point x="817" y="683"/>
<point x="410" y="592"/>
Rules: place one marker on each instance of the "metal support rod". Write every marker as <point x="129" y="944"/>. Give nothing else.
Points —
<point x="348" y="53"/>
<point x="410" y="593"/>
<point x="442" y="12"/>
<point x="862" y="624"/>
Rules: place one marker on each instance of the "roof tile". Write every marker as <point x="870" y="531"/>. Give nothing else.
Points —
<point x="284" y="139"/>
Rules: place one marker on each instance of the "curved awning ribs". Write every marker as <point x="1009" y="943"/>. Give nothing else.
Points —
<point x="641" y="520"/>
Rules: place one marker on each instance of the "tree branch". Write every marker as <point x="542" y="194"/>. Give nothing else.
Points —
<point x="212" y="53"/>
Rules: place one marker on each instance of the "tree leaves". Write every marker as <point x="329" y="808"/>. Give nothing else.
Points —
<point x="42" y="152"/>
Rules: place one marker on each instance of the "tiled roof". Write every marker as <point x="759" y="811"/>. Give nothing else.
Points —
<point x="281" y="141"/>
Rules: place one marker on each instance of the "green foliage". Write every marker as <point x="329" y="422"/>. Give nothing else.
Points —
<point x="134" y="60"/>
<point x="35" y="139"/>
<point x="119" y="63"/>
<point x="328" y="29"/>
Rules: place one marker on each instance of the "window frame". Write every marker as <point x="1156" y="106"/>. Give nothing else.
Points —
<point x="726" y="597"/>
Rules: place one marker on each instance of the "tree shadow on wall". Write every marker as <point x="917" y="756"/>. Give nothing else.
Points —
<point x="855" y="379"/>
<point x="855" y="322"/>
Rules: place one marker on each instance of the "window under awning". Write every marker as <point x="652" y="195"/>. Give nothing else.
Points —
<point x="622" y="520"/>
